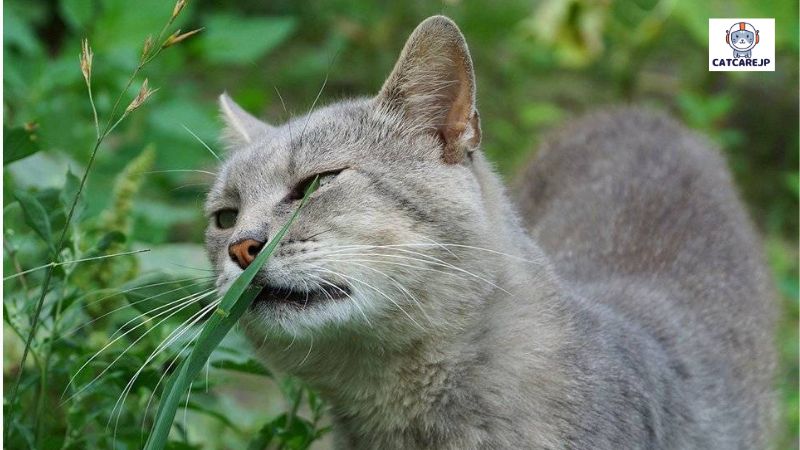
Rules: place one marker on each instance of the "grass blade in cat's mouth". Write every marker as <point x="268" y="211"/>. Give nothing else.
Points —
<point x="300" y="298"/>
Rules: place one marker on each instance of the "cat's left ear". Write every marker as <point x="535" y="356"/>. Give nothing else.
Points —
<point x="433" y="87"/>
<point x="241" y="127"/>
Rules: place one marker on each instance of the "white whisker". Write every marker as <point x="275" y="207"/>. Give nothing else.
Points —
<point x="176" y="334"/>
<point x="430" y="260"/>
<point x="374" y="289"/>
<point x="201" y="141"/>
<point x="318" y="278"/>
<point x="171" y="312"/>
<point x="310" y="346"/>
<point x="75" y="261"/>
<point x="128" y="305"/>
<point x="205" y="172"/>
<point x="402" y="288"/>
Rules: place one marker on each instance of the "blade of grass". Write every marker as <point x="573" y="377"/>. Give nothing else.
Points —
<point x="233" y="305"/>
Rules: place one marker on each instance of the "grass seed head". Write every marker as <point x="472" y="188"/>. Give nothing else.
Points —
<point x="176" y="37"/>
<point x="179" y="5"/>
<point x="86" y="60"/>
<point x="144" y="93"/>
<point x="148" y="45"/>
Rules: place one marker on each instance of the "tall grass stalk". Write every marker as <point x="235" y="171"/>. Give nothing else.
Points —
<point x="149" y="53"/>
<point x="233" y="305"/>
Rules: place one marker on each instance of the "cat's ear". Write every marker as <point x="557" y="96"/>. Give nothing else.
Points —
<point x="240" y="126"/>
<point x="433" y="87"/>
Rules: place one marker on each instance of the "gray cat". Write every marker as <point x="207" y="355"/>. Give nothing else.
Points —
<point x="626" y="307"/>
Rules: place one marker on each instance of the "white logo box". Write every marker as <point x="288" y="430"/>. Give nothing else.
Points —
<point x="753" y="51"/>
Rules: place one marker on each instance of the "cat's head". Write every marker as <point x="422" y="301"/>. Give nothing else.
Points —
<point x="397" y="235"/>
<point x="743" y="39"/>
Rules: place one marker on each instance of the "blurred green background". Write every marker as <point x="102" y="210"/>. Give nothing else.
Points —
<point x="538" y="64"/>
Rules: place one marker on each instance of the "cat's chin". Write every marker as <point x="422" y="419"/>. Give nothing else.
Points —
<point x="285" y="313"/>
<point x="280" y="297"/>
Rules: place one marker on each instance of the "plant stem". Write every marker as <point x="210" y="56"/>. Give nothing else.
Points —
<point x="94" y="108"/>
<point x="110" y="125"/>
<point x="292" y="413"/>
<point x="37" y="428"/>
<point x="46" y="284"/>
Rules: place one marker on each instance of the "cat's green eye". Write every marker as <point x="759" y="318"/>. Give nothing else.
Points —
<point x="226" y="218"/>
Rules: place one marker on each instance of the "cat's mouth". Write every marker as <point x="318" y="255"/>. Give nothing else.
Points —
<point x="299" y="298"/>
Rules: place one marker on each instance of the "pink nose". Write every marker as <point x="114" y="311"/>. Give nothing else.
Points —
<point x="244" y="252"/>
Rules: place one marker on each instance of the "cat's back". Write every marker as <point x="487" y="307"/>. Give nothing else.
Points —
<point x="639" y="214"/>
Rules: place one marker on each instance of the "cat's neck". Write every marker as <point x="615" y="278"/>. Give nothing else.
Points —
<point x="382" y="396"/>
<point x="380" y="386"/>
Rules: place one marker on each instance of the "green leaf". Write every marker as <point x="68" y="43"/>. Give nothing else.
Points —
<point x="122" y="28"/>
<point x="18" y="31"/>
<point x="178" y="445"/>
<point x="71" y="186"/>
<point x="35" y="216"/>
<point x="231" y="308"/>
<point x="230" y="39"/>
<point x="296" y="433"/>
<point x="67" y="196"/>
<point x="646" y="4"/>
<point x="263" y="437"/>
<point x="109" y="239"/>
<point x="250" y="366"/>
<point x="541" y="113"/>
<point x="18" y="143"/>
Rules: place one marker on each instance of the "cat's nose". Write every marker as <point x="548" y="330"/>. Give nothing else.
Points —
<point x="244" y="252"/>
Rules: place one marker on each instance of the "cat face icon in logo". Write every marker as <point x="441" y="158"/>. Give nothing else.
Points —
<point x="742" y="37"/>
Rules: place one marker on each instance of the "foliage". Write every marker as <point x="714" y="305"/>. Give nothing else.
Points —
<point x="538" y="64"/>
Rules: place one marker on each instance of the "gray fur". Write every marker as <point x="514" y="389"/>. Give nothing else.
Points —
<point x="636" y="313"/>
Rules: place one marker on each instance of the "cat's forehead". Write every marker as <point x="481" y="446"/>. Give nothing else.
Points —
<point x="328" y="138"/>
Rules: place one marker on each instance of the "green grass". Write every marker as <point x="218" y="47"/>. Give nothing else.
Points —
<point x="233" y="304"/>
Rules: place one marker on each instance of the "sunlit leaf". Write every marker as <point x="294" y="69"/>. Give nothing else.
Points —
<point x="237" y="40"/>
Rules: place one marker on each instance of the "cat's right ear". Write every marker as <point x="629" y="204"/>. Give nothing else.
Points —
<point x="241" y="127"/>
<point x="432" y="87"/>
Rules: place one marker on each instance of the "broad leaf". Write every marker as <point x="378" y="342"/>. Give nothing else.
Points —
<point x="36" y="216"/>
<point x="18" y="143"/>
<point x="230" y="39"/>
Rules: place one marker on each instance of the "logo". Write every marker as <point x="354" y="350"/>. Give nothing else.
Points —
<point x="742" y="37"/>
<point x="741" y="45"/>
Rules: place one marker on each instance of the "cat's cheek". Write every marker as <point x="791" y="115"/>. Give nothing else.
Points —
<point x="216" y="249"/>
<point x="224" y="283"/>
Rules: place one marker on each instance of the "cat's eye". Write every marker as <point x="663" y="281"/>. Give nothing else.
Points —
<point x="324" y="178"/>
<point x="226" y="218"/>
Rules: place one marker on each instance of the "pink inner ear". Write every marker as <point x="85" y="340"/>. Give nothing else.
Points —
<point x="457" y="119"/>
<point x="433" y="85"/>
